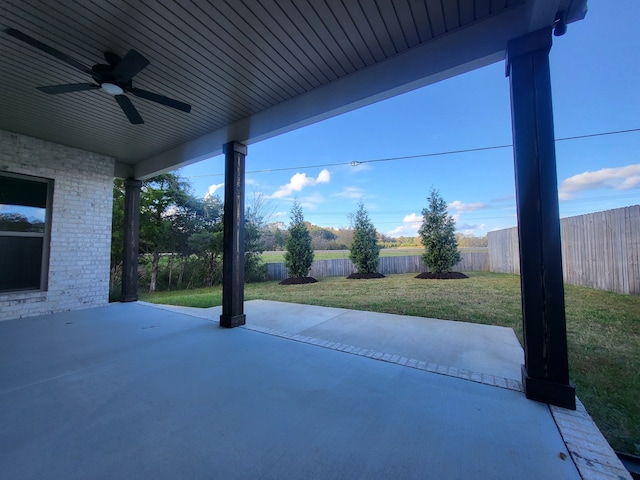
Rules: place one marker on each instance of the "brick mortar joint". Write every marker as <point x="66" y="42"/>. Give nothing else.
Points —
<point x="80" y="178"/>
<point x="611" y="463"/>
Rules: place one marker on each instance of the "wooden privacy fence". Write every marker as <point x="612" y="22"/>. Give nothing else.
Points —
<point x="599" y="250"/>
<point x="504" y="255"/>
<point x="342" y="267"/>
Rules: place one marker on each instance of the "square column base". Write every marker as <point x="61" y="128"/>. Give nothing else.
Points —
<point x="232" y="321"/>
<point x="552" y="393"/>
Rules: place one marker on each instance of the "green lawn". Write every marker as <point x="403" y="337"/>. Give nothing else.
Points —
<point x="603" y="328"/>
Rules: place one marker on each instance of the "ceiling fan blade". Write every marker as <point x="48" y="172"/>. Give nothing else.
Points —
<point x="166" y="101"/>
<point x="128" y="109"/>
<point x="71" y="87"/>
<point x="47" y="49"/>
<point x="132" y="64"/>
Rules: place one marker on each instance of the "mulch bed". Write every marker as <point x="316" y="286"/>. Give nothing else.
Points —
<point x="360" y="276"/>
<point x="297" y="280"/>
<point x="442" y="276"/>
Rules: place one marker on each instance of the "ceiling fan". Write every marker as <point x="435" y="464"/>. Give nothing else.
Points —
<point x="113" y="77"/>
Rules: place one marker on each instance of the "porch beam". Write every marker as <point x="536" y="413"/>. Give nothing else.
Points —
<point x="233" y="241"/>
<point x="130" y="240"/>
<point x="545" y="373"/>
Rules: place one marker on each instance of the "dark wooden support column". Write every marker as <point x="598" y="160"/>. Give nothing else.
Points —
<point x="130" y="242"/>
<point x="545" y="374"/>
<point x="233" y="242"/>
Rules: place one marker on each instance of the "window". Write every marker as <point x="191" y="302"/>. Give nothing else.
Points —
<point x="25" y="218"/>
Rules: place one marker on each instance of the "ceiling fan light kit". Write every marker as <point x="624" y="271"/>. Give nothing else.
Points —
<point x="111" y="89"/>
<point x="114" y="78"/>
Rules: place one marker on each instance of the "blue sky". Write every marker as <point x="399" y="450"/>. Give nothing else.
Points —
<point x="595" y="71"/>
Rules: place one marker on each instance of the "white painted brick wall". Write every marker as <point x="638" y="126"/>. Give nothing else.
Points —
<point x="80" y="227"/>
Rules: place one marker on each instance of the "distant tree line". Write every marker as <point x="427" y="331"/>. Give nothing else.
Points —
<point x="274" y="236"/>
<point x="471" y="241"/>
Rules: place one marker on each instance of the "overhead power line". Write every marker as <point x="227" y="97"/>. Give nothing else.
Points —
<point x="355" y="163"/>
<point x="603" y="134"/>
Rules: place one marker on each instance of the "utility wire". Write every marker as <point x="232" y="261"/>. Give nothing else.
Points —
<point x="355" y="163"/>
<point x="598" y="134"/>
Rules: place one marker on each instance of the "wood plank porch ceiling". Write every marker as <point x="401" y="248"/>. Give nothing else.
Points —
<point x="230" y="60"/>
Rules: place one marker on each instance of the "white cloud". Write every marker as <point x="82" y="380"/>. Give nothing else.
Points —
<point x="471" y="229"/>
<point x="324" y="176"/>
<point x="619" y="178"/>
<point x="413" y="218"/>
<point x="460" y="207"/>
<point x="465" y="226"/>
<point x="212" y="190"/>
<point x="311" y="202"/>
<point x="355" y="193"/>
<point x="300" y="181"/>
<point x="409" y="228"/>
<point x="630" y="182"/>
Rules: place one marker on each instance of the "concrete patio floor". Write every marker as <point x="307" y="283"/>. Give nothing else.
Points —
<point x="140" y="391"/>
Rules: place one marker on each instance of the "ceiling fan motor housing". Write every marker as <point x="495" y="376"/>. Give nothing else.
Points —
<point x="104" y="74"/>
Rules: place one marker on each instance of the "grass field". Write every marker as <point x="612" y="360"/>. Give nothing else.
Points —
<point x="603" y="328"/>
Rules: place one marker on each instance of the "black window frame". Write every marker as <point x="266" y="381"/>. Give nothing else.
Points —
<point x="45" y="234"/>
